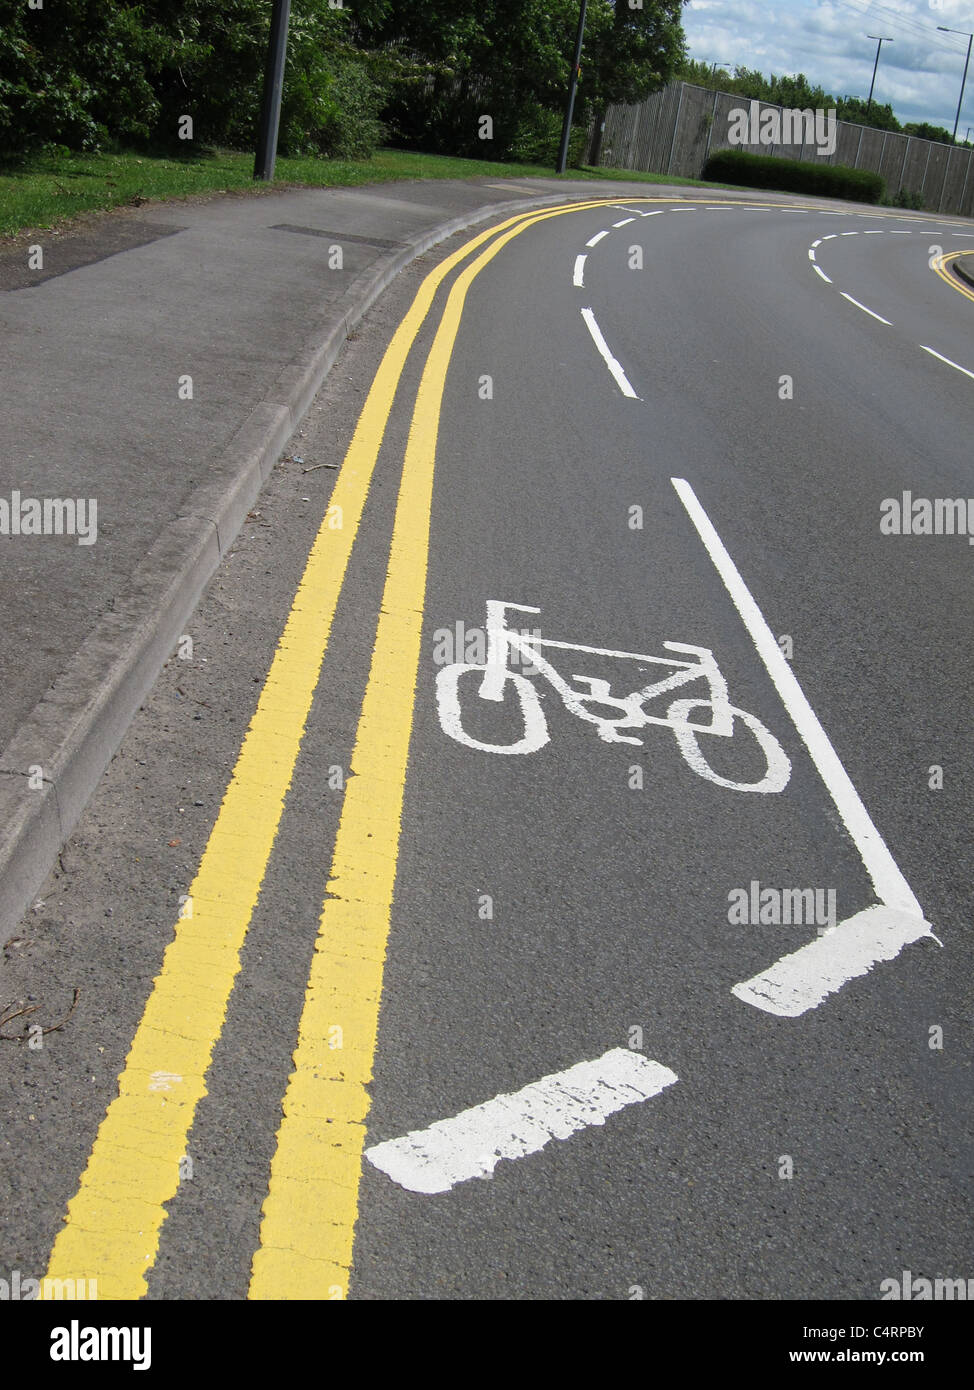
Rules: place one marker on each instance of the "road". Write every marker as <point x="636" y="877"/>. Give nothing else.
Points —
<point x="637" y="424"/>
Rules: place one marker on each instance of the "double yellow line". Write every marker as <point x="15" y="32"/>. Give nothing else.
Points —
<point x="113" y="1223"/>
<point x="940" y="264"/>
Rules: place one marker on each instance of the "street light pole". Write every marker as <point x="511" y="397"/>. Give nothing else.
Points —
<point x="270" y="112"/>
<point x="970" y="40"/>
<point x="872" y="84"/>
<point x="566" y="129"/>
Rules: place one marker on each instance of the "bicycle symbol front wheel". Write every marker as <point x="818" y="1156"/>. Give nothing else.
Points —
<point x="778" y="769"/>
<point x="534" y="727"/>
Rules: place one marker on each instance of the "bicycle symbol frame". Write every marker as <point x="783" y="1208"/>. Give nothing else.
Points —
<point x="497" y="677"/>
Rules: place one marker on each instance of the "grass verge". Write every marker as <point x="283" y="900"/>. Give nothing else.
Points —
<point x="51" y="190"/>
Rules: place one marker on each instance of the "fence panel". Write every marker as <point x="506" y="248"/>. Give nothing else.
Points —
<point x="677" y="129"/>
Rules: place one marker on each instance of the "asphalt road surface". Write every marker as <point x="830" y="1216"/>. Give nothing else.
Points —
<point x="652" y="946"/>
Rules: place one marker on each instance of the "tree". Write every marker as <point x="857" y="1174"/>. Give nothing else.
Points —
<point x="460" y="59"/>
<point x="630" y="54"/>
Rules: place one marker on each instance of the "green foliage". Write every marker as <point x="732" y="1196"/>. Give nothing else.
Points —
<point x="794" y="176"/>
<point x="447" y="62"/>
<point x="796" y="93"/>
<point x="905" y="198"/>
<point x="923" y="130"/>
<point x="537" y="139"/>
<point x="94" y="73"/>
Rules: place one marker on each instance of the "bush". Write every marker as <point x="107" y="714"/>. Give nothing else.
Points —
<point x="330" y="108"/>
<point x="537" y="139"/>
<point x="906" y="198"/>
<point x="794" y="176"/>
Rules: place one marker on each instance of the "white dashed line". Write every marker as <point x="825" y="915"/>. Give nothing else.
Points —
<point x="578" y="279"/>
<point x="875" y="231"/>
<point x="597" y="238"/>
<point x="948" y="361"/>
<point x="614" y="367"/>
<point x="811" y="254"/>
<point x="864" y="309"/>
<point x="848" y="234"/>
<point x="897" y="233"/>
<point x="817" y="243"/>
<point x="831" y="236"/>
<point x="819" y="271"/>
<point x="625" y="222"/>
<point x="471" y="1144"/>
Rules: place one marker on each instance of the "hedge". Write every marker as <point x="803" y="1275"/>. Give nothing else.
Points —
<point x="794" y="176"/>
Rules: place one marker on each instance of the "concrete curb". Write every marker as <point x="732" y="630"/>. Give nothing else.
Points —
<point x="51" y="766"/>
<point x="965" y="272"/>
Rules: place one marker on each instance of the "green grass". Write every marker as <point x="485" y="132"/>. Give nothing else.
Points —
<point x="49" y="190"/>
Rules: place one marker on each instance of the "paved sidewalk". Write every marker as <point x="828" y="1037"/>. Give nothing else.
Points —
<point x="240" y="294"/>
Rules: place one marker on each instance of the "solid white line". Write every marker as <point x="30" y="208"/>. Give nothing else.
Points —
<point x="821" y="272"/>
<point x="803" y="980"/>
<point x="891" y="887"/>
<point x="864" y="309"/>
<point x="614" y="367"/>
<point x="625" y="222"/>
<point x="948" y="361"/>
<point x="578" y="279"/>
<point x="471" y="1144"/>
<point x="597" y="238"/>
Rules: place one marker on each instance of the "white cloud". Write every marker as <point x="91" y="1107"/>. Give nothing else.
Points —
<point x="919" y="72"/>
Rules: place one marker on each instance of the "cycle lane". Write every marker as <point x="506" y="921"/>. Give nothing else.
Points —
<point x="569" y="881"/>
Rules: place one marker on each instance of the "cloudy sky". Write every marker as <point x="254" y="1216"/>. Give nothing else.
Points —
<point x="919" y="73"/>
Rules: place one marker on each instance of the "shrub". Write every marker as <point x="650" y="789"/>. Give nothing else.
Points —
<point x="907" y="198"/>
<point x="794" y="176"/>
<point x="537" y="139"/>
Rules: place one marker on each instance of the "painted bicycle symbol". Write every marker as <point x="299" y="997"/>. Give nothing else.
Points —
<point x="590" y="698"/>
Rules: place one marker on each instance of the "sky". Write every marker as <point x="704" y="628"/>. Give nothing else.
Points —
<point x="919" y="73"/>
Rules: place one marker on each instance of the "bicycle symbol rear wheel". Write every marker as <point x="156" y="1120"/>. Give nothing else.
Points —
<point x="534" y="727"/>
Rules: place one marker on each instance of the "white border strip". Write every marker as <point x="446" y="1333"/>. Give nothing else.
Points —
<point x="891" y="887"/>
<point x="471" y="1144"/>
<point x="801" y="981"/>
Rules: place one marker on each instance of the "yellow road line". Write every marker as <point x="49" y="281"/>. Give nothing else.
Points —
<point x="940" y="264"/>
<point x="311" y="1207"/>
<point x="113" y="1223"/>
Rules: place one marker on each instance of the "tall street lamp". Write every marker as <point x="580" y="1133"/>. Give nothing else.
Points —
<point x="872" y="84"/>
<point x="970" y="40"/>
<point x="270" y="112"/>
<point x="566" y="129"/>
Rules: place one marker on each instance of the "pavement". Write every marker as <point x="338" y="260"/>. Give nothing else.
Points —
<point x="156" y="364"/>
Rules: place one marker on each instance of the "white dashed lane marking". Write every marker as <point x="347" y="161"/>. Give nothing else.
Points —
<point x="614" y="367"/>
<point x="864" y="309"/>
